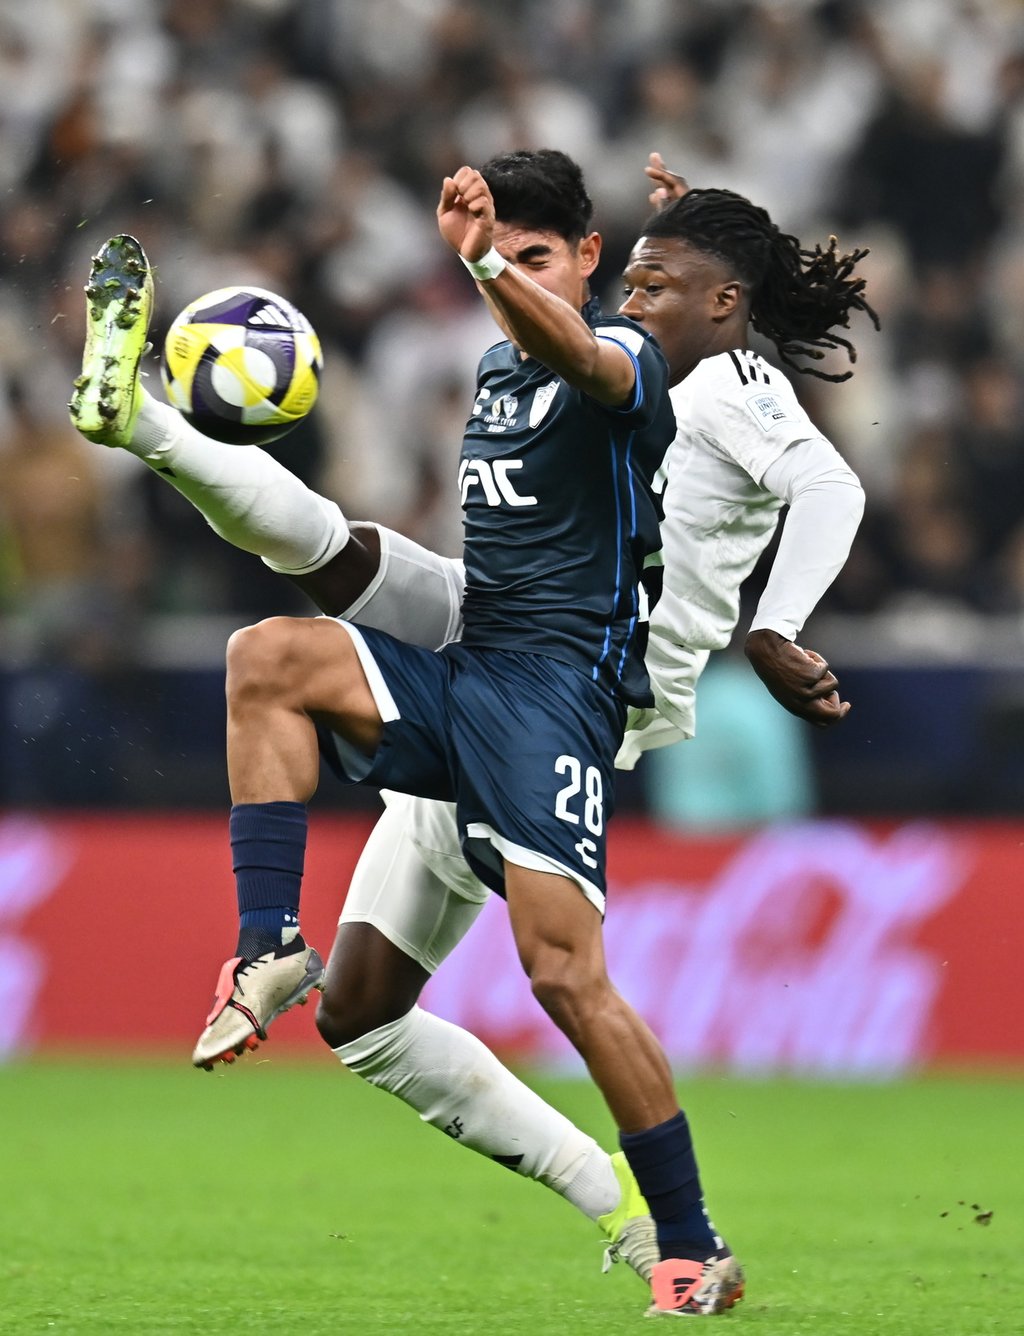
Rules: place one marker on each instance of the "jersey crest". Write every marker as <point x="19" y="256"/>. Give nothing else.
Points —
<point x="498" y="416"/>
<point x="542" y="401"/>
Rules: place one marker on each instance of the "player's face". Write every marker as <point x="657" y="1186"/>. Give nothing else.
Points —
<point x="560" y="267"/>
<point x="682" y="296"/>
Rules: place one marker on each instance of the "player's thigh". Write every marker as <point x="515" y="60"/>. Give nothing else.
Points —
<point x="423" y="900"/>
<point x="557" y="930"/>
<point x="310" y="663"/>
<point x="413" y="752"/>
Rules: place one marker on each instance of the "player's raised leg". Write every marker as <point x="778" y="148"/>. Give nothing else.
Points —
<point x="246" y="495"/>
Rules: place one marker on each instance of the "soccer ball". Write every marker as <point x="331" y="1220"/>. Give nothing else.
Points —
<point x="242" y="365"/>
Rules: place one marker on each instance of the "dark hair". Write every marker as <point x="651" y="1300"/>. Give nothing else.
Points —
<point x="797" y="296"/>
<point x="542" y="189"/>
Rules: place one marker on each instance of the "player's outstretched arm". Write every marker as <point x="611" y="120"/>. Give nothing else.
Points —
<point x="826" y="502"/>
<point x="541" y="324"/>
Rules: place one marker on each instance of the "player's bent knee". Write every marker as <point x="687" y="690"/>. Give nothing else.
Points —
<point x="342" y="1020"/>
<point x="255" y="654"/>
<point x="278" y="654"/>
<point x="330" y="1025"/>
<point x="370" y="982"/>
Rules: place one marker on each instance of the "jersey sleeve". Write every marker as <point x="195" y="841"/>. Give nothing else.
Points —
<point x="651" y="383"/>
<point x="826" y="502"/>
<point x="750" y="411"/>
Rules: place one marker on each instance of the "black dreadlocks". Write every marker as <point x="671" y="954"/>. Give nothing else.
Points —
<point x="797" y="296"/>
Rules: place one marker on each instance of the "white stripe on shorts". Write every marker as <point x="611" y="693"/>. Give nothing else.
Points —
<point x="355" y="764"/>
<point x="522" y="857"/>
<point x="383" y="699"/>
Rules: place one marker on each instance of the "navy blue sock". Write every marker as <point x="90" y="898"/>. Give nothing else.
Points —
<point x="665" y="1168"/>
<point x="268" y="848"/>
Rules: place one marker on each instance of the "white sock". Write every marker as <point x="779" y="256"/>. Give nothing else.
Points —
<point x="245" y="495"/>
<point x="455" y="1083"/>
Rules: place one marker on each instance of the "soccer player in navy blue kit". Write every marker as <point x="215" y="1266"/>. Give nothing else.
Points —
<point x="542" y="199"/>
<point x="521" y="721"/>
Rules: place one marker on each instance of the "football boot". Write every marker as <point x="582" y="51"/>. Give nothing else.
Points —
<point x="119" y="302"/>
<point x="251" y="994"/>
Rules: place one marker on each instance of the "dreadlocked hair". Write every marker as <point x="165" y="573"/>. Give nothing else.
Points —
<point x="797" y="296"/>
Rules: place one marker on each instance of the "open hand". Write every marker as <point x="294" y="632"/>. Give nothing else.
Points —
<point x="668" y="185"/>
<point x="465" y="213"/>
<point x="799" y="679"/>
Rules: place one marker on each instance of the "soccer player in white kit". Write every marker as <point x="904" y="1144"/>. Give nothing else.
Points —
<point x="705" y="267"/>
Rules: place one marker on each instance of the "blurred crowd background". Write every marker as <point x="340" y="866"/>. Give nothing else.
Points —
<point x="300" y="144"/>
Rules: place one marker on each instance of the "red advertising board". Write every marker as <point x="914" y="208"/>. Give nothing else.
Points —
<point x="819" y="948"/>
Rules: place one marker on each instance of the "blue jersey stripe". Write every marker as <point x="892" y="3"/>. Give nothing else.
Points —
<point x="620" y="544"/>
<point x="606" y="647"/>
<point x="631" y="479"/>
<point x="636" y="399"/>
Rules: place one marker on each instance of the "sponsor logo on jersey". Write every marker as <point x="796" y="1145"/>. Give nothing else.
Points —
<point x="767" y="410"/>
<point x="491" y="477"/>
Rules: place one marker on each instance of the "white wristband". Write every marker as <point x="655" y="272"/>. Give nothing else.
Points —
<point x="488" y="266"/>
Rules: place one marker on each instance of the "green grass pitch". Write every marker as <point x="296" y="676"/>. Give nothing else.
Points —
<point x="277" y="1197"/>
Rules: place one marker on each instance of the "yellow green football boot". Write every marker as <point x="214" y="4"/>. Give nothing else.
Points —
<point x="119" y="302"/>
<point x="629" y="1229"/>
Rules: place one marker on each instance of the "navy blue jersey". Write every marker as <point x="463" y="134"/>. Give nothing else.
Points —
<point x="559" y="510"/>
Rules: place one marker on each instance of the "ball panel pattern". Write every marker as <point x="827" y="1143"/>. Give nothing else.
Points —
<point x="242" y="365"/>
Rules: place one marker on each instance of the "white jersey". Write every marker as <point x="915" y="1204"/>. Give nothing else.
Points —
<point x="736" y="416"/>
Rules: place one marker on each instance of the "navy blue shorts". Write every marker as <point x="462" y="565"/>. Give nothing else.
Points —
<point x="524" y="745"/>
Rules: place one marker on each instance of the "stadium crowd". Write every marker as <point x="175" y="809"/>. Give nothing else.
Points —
<point x="300" y="144"/>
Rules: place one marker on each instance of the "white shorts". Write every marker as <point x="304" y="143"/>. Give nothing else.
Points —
<point x="412" y="883"/>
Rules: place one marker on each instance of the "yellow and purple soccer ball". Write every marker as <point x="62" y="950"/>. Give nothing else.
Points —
<point x="242" y="365"/>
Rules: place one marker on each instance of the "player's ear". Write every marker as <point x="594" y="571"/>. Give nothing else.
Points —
<point x="726" y="300"/>
<point x="590" y="253"/>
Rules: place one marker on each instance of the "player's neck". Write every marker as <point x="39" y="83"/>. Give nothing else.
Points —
<point x="722" y="340"/>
